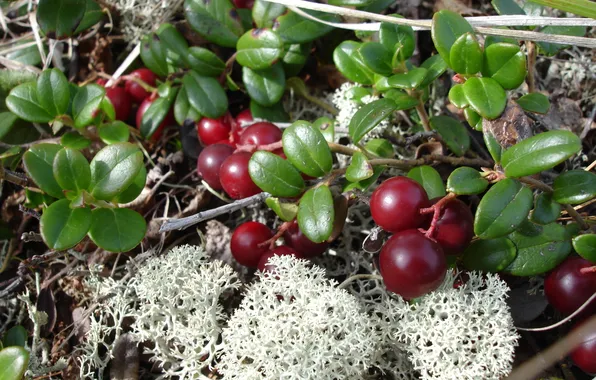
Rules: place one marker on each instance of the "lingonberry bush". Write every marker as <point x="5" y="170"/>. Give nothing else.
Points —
<point x="416" y="214"/>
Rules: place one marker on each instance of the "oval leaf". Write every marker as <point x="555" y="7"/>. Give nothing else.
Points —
<point x="446" y="28"/>
<point x="205" y="62"/>
<point x="114" y="132"/>
<point x="71" y="170"/>
<point x="326" y="126"/>
<point x="296" y="29"/>
<point x="506" y="64"/>
<point x="117" y="229"/>
<point x="264" y="13"/>
<point x="156" y="113"/>
<point x="390" y="35"/>
<point x="492" y="255"/>
<point x="585" y="246"/>
<point x="486" y="96"/>
<point x="16" y="336"/>
<point x="134" y="190"/>
<point x="175" y="45"/>
<point x="354" y="70"/>
<point x="23" y="102"/>
<point x="430" y="179"/>
<point x="265" y="87"/>
<point x="574" y="187"/>
<point x="153" y="55"/>
<point x="86" y="104"/>
<point x="259" y="49"/>
<point x="376" y="57"/>
<point x="546" y="210"/>
<point x="60" y="18"/>
<point x="452" y="132"/>
<point x="457" y="96"/>
<point x="316" y="214"/>
<point x="183" y="110"/>
<point x="466" y="55"/>
<point x="369" y="116"/>
<point x="493" y="146"/>
<point x="307" y="149"/>
<point x="74" y="140"/>
<point x="113" y="169"/>
<point x="53" y="91"/>
<point x="286" y="211"/>
<point x="275" y="175"/>
<point x="217" y="21"/>
<point x="534" y="102"/>
<point x="466" y="181"/>
<point x="409" y="80"/>
<point x="435" y="66"/>
<point x="359" y="168"/>
<point x="380" y="147"/>
<point x="205" y="94"/>
<point x="13" y="363"/>
<point x="39" y="163"/>
<point x="63" y="227"/>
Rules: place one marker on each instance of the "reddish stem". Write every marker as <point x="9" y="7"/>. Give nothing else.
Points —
<point x="457" y="78"/>
<point x="271" y="242"/>
<point x="252" y="148"/>
<point x="588" y="270"/>
<point x="436" y="210"/>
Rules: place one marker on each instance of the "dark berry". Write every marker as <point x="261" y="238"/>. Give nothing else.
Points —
<point x="395" y="205"/>
<point x="411" y="264"/>
<point x="245" y="243"/>
<point x="137" y="91"/>
<point x="455" y="228"/>
<point x="282" y="250"/>
<point x="168" y="120"/>
<point x="247" y="4"/>
<point x="234" y="176"/>
<point x="566" y="288"/>
<point x="261" y="133"/>
<point x="244" y="118"/>
<point x="584" y="355"/>
<point x="212" y="131"/>
<point x="209" y="163"/>
<point x="303" y="245"/>
<point x="121" y="102"/>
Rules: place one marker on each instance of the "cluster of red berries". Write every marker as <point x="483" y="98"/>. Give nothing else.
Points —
<point x="413" y="263"/>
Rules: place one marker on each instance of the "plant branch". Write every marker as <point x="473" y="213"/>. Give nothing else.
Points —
<point x="564" y="320"/>
<point x="12" y="177"/>
<point x="430" y="159"/>
<point x="342" y="149"/>
<point x="423" y="116"/>
<point x="531" y="66"/>
<point x="355" y="277"/>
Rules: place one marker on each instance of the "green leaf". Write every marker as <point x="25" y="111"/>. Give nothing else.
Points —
<point x="502" y="209"/>
<point x="153" y="55"/>
<point x="86" y="104"/>
<point x="402" y="100"/>
<point x="29" y="55"/>
<point x="493" y="146"/>
<point x="369" y="116"/>
<point x="539" y="249"/>
<point x="264" y="13"/>
<point x="113" y="169"/>
<point x="585" y="246"/>
<point x="551" y="49"/>
<point x="156" y="113"/>
<point x="205" y="94"/>
<point x="265" y="87"/>
<point x="38" y="162"/>
<point x="430" y="179"/>
<point x="457" y="96"/>
<point x="492" y="255"/>
<point x="398" y="37"/>
<point x="53" y="92"/>
<point x="134" y="190"/>
<point x="71" y="170"/>
<point x="295" y="57"/>
<point x="306" y="149"/>
<point x="534" y="102"/>
<point x="183" y="111"/>
<point x="174" y="44"/>
<point x="93" y="15"/>
<point x="275" y="175"/>
<point x="23" y="102"/>
<point x="60" y="18"/>
<point x="352" y="69"/>
<point x="359" y="168"/>
<point x="473" y="119"/>
<point x="540" y="152"/>
<point x="435" y="67"/>
<point x="74" y="140"/>
<point x="546" y="210"/>
<point x="205" y="62"/>
<point x="274" y="113"/>
<point x="407" y="81"/>
<point x="316" y="214"/>
<point x="259" y="49"/>
<point x="376" y="57"/>
<point x="507" y="7"/>
<point x="13" y="363"/>
<point x="286" y="211"/>
<point x="452" y="132"/>
<point x="63" y="227"/>
<point x="365" y="184"/>
<point x="491" y="40"/>
<point x="380" y="147"/>
<point x="446" y="28"/>
<point x="117" y="229"/>
<point x="15" y="336"/>
<point x="574" y="187"/>
<point x="217" y="21"/>
<point x="466" y="181"/>
<point x="326" y="126"/>
<point x="466" y="55"/>
<point x="506" y="64"/>
<point x="486" y="96"/>
<point x="295" y="29"/>
<point x="114" y="132"/>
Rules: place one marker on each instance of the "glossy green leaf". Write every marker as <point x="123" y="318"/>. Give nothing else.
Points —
<point x="493" y="146"/>
<point x="507" y="7"/>
<point x="274" y="113"/>
<point x="466" y="55"/>
<point x="23" y="102"/>
<point x="546" y="210"/>
<point x="327" y="128"/>
<point x="457" y="96"/>
<point x="492" y="255"/>
<point x="585" y="246"/>
<point x="60" y="18"/>
<point x="86" y="104"/>
<point x="409" y="80"/>
<point x="38" y="162"/>
<point x="430" y="179"/>
<point x="502" y="209"/>
<point x="217" y="21"/>
<point x="402" y="100"/>
<point x="259" y="49"/>
<point x="71" y="170"/>
<point x="15" y="336"/>
<point x="367" y="183"/>
<point x="174" y="44"/>
<point x="376" y="57"/>
<point x="275" y="175"/>
<point x="316" y="214"/>
<point x="154" y="55"/>
<point x="485" y="96"/>
<point x="534" y="102"/>
<point x="27" y="54"/>
<point x="264" y="13"/>
<point x="466" y="181"/>
<point x="380" y="147"/>
<point x="359" y="168"/>
<point x="117" y="229"/>
<point x="539" y="249"/>
<point x="134" y="190"/>
<point x="473" y="119"/>
<point x="13" y="363"/>
<point x="74" y="140"/>
<point x="551" y="49"/>
<point x="53" y="91"/>
<point x="205" y="62"/>
<point x="286" y="211"/>
<point x="452" y="132"/>
<point x="295" y="57"/>
<point x="491" y="40"/>
<point x="113" y="169"/>
<point x="306" y="149"/>
<point x="435" y="67"/>
<point x="369" y="116"/>
<point x="380" y="84"/>
<point x="506" y="64"/>
<point x="114" y="132"/>
<point x="398" y="37"/>
<point x="354" y="70"/>
<point x="93" y="15"/>
<point x="62" y="227"/>
<point x="156" y="113"/>
<point x="446" y="28"/>
<point x="574" y="187"/>
<point x="183" y="111"/>
<point x="295" y="29"/>
<point x="205" y="94"/>
<point x="265" y="87"/>
<point x="540" y="152"/>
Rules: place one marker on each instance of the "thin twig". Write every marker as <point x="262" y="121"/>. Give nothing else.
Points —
<point x="342" y="149"/>
<point x="127" y="62"/>
<point x="355" y="277"/>
<point x="531" y="65"/>
<point x="430" y="159"/>
<point x="564" y="320"/>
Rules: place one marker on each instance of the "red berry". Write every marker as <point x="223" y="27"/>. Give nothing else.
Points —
<point x="234" y="176"/>
<point x="121" y="102"/>
<point x="244" y="118"/>
<point x="261" y="133"/>
<point x="136" y="90"/>
<point x="584" y="355"/>
<point x="281" y="250"/>
<point x="455" y="228"/>
<point x="395" y="205"/>
<point x="211" y="131"/>
<point x="566" y="288"/>
<point x="303" y="245"/>
<point x="209" y="163"/>
<point x="168" y="120"/>
<point x="102" y="82"/>
<point x="245" y="243"/>
<point x="411" y="264"/>
<point x="244" y="3"/>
